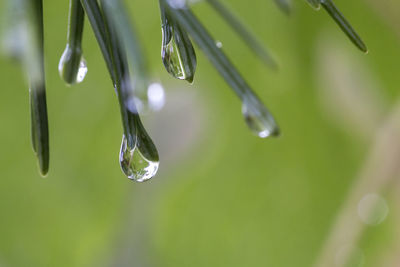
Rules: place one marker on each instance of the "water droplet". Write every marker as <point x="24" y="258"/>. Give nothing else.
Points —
<point x="372" y="209"/>
<point x="258" y="118"/>
<point x="172" y="60"/>
<point x="135" y="162"/>
<point x="349" y="255"/>
<point x="314" y="4"/>
<point x="72" y="66"/>
<point x="178" y="55"/>
<point x="218" y="44"/>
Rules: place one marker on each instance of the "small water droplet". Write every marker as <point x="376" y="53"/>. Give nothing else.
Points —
<point x="135" y="164"/>
<point x="218" y="44"/>
<point x="72" y="66"/>
<point x="258" y="118"/>
<point x="372" y="209"/>
<point x="314" y="4"/>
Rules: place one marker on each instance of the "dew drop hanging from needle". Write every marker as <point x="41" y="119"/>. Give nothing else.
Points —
<point x="134" y="164"/>
<point x="257" y="118"/>
<point x="72" y="67"/>
<point x="138" y="157"/>
<point x="177" y="52"/>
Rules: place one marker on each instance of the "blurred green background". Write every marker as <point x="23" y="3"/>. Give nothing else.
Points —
<point x="223" y="197"/>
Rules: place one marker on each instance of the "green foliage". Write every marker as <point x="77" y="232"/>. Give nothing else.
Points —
<point x="222" y="198"/>
<point x="116" y="40"/>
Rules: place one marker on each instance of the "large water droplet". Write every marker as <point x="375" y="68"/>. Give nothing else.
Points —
<point x="72" y="66"/>
<point x="135" y="163"/>
<point x="258" y="118"/>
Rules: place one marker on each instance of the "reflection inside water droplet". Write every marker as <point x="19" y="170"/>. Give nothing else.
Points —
<point x="177" y="52"/>
<point x="72" y="67"/>
<point x="81" y="71"/>
<point x="372" y="209"/>
<point x="134" y="164"/>
<point x="258" y="119"/>
<point x="172" y="59"/>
